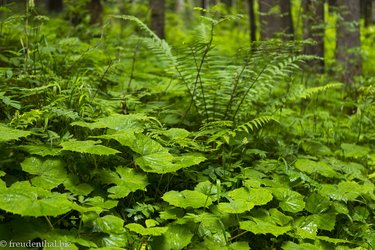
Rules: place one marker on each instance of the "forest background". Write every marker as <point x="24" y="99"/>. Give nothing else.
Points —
<point x="187" y="124"/>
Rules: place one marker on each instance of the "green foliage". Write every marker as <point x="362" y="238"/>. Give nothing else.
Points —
<point x="116" y="139"/>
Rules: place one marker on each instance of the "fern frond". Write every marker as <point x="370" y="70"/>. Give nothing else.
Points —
<point x="306" y="93"/>
<point x="254" y="124"/>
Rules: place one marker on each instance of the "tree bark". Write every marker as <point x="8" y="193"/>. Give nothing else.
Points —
<point x="55" y="5"/>
<point x="286" y="17"/>
<point x="275" y="19"/>
<point x="348" y="39"/>
<point x="313" y="29"/>
<point x="96" y="10"/>
<point x="158" y="17"/>
<point x="179" y="6"/>
<point x="252" y="20"/>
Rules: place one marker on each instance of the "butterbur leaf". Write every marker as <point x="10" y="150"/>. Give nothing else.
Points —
<point x="176" y="237"/>
<point x="279" y="218"/>
<point x="239" y="245"/>
<point x="314" y="167"/>
<point x="187" y="198"/>
<point x="9" y="134"/>
<point x="155" y="231"/>
<point x="289" y="245"/>
<point x="23" y="199"/>
<point x="126" y="180"/>
<point x="40" y="150"/>
<point x="262" y="227"/>
<point x="317" y="204"/>
<point x="354" y="151"/>
<point x="109" y="224"/>
<point x="324" y="221"/>
<point x="289" y="201"/>
<point x="51" y="172"/>
<point x="89" y="147"/>
<point x="72" y="183"/>
<point x="115" y="122"/>
<point x="345" y="190"/>
<point x="235" y="206"/>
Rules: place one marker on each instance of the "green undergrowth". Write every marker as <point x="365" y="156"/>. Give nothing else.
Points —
<point x="127" y="142"/>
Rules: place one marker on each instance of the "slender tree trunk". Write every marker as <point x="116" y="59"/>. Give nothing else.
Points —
<point x="366" y="11"/>
<point x="158" y="17"/>
<point x="286" y="17"/>
<point x="228" y="3"/>
<point x="252" y="20"/>
<point x="313" y="29"/>
<point x="348" y="39"/>
<point x="55" y="5"/>
<point x="204" y="4"/>
<point x="96" y="10"/>
<point x="275" y="18"/>
<point x="180" y="6"/>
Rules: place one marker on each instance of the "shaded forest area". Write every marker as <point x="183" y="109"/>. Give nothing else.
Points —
<point x="210" y="124"/>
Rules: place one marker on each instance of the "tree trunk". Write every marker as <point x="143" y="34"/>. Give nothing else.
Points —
<point x="158" y="17"/>
<point x="180" y="6"/>
<point x="348" y="39"/>
<point x="275" y="18"/>
<point x="96" y="10"/>
<point x="205" y="4"/>
<point x="55" y="5"/>
<point x="313" y="29"/>
<point x="286" y="17"/>
<point x="228" y="3"/>
<point x="366" y="11"/>
<point x="252" y="21"/>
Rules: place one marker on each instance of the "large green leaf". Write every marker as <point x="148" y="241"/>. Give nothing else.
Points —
<point x="126" y="180"/>
<point x="302" y="246"/>
<point x="146" y="231"/>
<point x="74" y="185"/>
<point x="289" y="201"/>
<point x="50" y="173"/>
<point x="88" y="146"/>
<point x="176" y="237"/>
<point x="41" y="150"/>
<point x="153" y="156"/>
<point x="9" y="134"/>
<point x="187" y="198"/>
<point x="345" y="190"/>
<point x="317" y="204"/>
<point x="26" y="200"/>
<point x="109" y="224"/>
<point x="315" y="167"/>
<point x="262" y="227"/>
<point x="354" y="151"/>
<point x="116" y="122"/>
<point x="235" y="206"/>
<point x="243" y="199"/>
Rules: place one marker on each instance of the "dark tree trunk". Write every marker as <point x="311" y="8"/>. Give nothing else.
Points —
<point x="228" y="3"/>
<point x="96" y="10"/>
<point x="313" y="29"/>
<point x="286" y="17"/>
<point x="55" y="5"/>
<point x="180" y="6"/>
<point x="275" y="23"/>
<point x="204" y="4"/>
<point x="158" y="17"/>
<point x="348" y="39"/>
<point x="252" y="20"/>
<point x="366" y="11"/>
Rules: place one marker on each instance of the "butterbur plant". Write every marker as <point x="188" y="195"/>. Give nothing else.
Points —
<point x="142" y="144"/>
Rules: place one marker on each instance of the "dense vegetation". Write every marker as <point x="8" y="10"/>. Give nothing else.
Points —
<point x="112" y="138"/>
